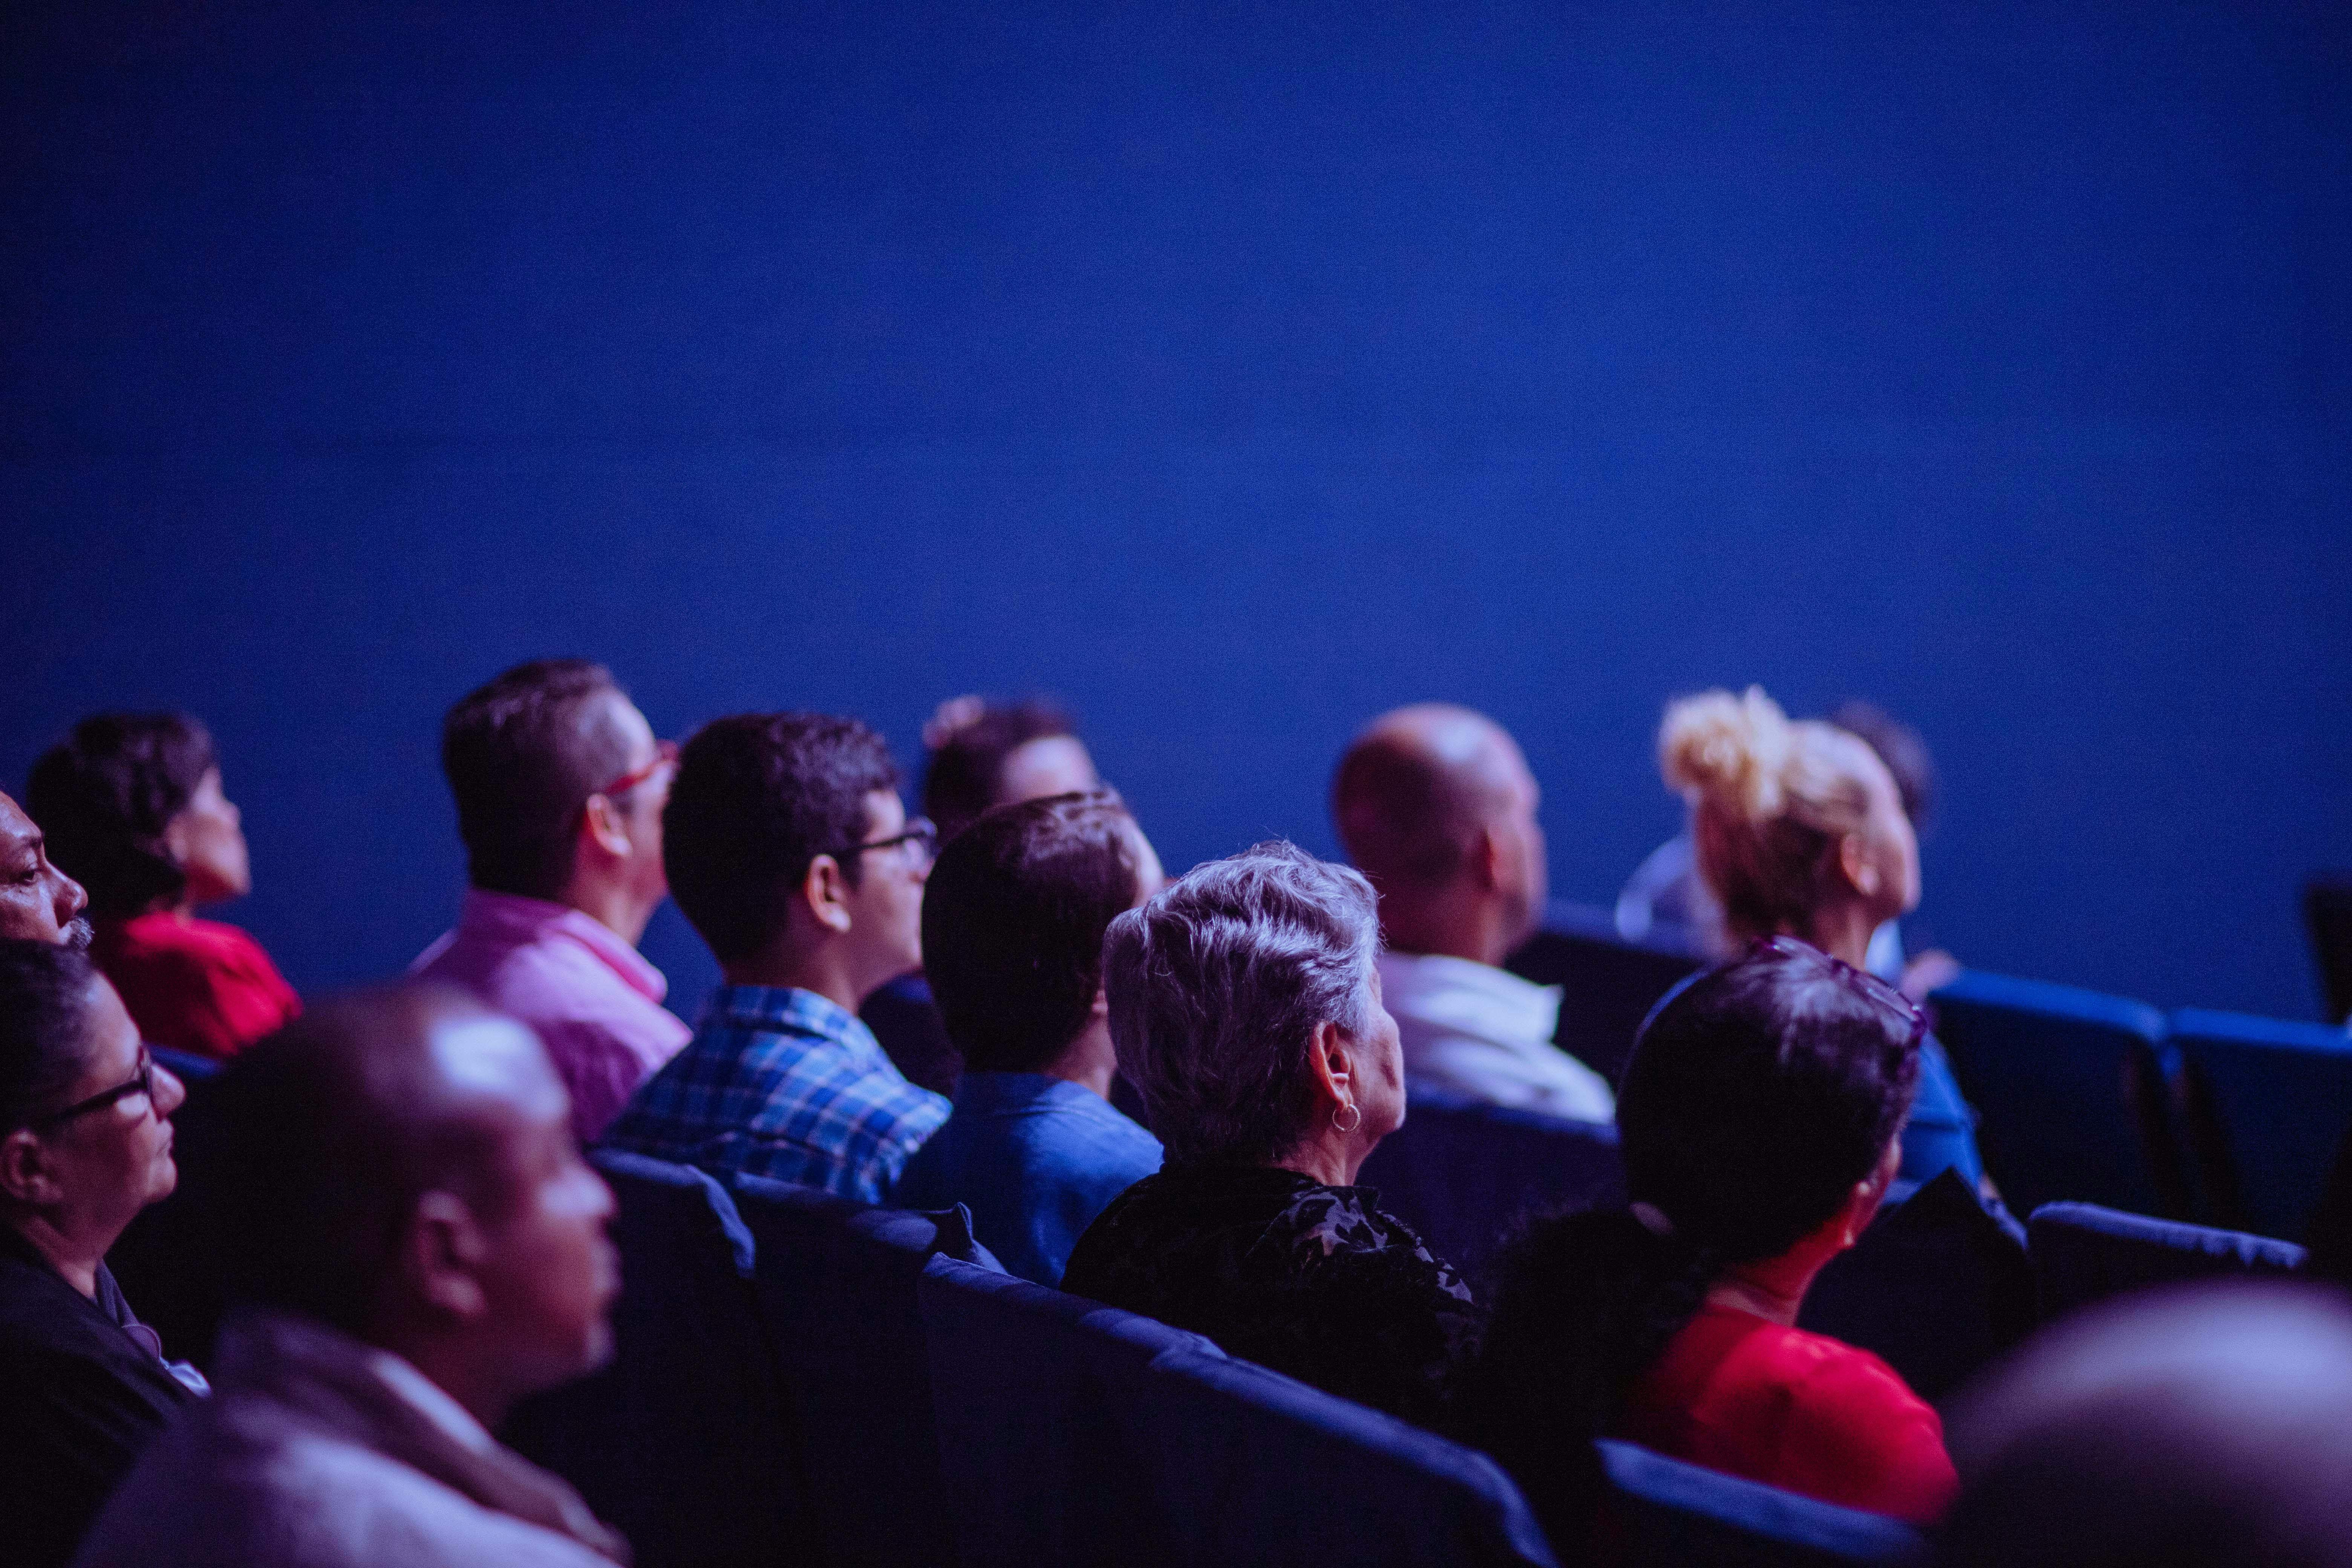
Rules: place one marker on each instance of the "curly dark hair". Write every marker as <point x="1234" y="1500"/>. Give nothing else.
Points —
<point x="1757" y="1097"/>
<point x="757" y="798"/>
<point x="104" y="795"/>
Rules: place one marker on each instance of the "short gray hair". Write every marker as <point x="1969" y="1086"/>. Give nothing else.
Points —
<point x="1217" y="986"/>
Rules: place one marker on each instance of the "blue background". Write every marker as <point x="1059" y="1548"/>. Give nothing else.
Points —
<point x="1234" y="372"/>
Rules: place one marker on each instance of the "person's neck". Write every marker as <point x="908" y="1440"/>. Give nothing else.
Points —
<point x="1843" y="931"/>
<point x="824" y="968"/>
<point x="1330" y="1159"/>
<point x="71" y="1253"/>
<point x="1090" y="1062"/>
<point x="1773" y="1290"/>
<point x="1450" y="923"/>
<point x="454" y="1367"/>
<point x="616" y="907"/>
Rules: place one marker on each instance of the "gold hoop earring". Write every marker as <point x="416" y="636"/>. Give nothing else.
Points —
<point x="1355" y="1119"/>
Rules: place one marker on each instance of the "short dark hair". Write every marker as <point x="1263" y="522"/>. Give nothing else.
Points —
<point x="1757" y="1097"/>
<point x="44" y="1040"/>
<point x="1013" y="917"/>
<point x="965" y="774"/>
<point x="757" y="798"/>
<point x="104" y="795"/>
<point x="523" y="753"/>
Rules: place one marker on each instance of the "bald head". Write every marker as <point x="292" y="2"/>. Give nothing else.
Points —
<point x="332" y="1130"/>
<point x="1435" y="805"/>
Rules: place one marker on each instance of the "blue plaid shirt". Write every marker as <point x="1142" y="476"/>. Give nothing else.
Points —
<point x="782" y="1083"/>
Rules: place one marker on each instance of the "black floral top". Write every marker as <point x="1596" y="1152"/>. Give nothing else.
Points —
<point x="1311" y="1280"/>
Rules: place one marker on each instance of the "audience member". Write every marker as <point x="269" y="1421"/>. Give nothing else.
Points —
<point x="1246" y="1005"/>
<point x="1758" y="1120"/>
<point x="1666" y="896"/>
<point x="85" y="1143"/>
<point x="791" y="852"/>
<point x="559" y="787"/>
<point x="133" y="806"/>
<point x="1436" y="806"/>
<point x="413" y="1244"/>
<point x="37" y="902"/>
<point x="981" y="757"/>
<point x="1013" y="919"/>
<point x="2208" y="1427"/>
<point x="1800" y="831"/>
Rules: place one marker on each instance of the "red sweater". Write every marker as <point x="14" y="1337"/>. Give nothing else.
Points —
<point x="194" y="985"/>
<point x="1802" y="1412"/>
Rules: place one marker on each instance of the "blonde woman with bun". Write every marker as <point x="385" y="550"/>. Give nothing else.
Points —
<point x="1800" y="831"/>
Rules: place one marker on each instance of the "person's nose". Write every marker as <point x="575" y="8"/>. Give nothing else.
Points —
<point x="170" y="1092"/>
<point x="70" y="898"/>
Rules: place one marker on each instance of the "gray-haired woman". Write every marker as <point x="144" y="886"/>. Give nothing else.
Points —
<point x="1246" y="1010"/>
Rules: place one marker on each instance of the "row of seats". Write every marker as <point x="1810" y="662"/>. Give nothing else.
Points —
<point x="801" y="1378"/>
<point x="2223" y="1117"/>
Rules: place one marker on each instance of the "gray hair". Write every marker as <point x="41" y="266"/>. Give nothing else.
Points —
<point x="1217" y="986"/>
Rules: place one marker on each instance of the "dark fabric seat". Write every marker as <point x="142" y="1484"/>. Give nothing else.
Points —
<point x="2083" y="1253"/>
<point x="1460" y="1172"/>
<point x="1661" y="1511"/>
<point x="2071" y="1088"/>
<point x="685" y="1443"/>
<point x="1608" y="985"/>
<point x="836" y="1283"/>
<point x="1936" y="1287"/>
<point x="1079" y="1433"/>
<point x="2268" y="1100"/>
<point x="2327" y="916"/>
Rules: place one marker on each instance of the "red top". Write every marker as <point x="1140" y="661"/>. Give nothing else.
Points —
<point x="194" y="985"/>
<point x="1808" y="1413"/>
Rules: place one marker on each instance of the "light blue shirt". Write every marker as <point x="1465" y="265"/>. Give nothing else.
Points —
<point x="1035" y="1159"/>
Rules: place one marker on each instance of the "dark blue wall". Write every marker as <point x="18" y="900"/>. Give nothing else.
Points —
<point x="1236" y="373"/>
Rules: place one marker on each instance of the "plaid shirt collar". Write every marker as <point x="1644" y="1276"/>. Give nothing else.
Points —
<point x="789" y="1010"/>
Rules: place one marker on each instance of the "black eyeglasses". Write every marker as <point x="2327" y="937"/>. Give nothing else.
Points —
<point x="922" y="834"/>
<point x="1861" y="982"/>
<point x="143" y="1083"/>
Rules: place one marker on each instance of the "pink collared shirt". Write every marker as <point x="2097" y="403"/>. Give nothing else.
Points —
<point x="594" y="1000"/>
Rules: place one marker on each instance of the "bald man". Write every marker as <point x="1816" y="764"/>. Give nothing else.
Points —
<point x="412" y="1244"/>
<point x="1435" y="805"/>
<point x="37" y="902"/>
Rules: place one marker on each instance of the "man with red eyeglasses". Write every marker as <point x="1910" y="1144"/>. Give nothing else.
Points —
<point x="559" y="787"/>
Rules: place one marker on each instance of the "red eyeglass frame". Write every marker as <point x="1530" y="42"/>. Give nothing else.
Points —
<point x="665" y="754"/>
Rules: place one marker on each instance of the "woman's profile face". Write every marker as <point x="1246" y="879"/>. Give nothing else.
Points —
<point x="116" y="1159"/>
<point x="208" y="838"/>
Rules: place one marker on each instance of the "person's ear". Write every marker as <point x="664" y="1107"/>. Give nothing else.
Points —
<point x="441" y="1254"/>
<point x="825" y="892"/>
<point x="1334" y="1063"/>
<point x="26" y="1174"/>
<point x="1490" y="858"/>
<point x="1869" y="1193"/>
<point x="1101" y="1008"/>
<point x="602" y="825"/>
<point x="176" y="839"/>
<point x="1860" y="866"/>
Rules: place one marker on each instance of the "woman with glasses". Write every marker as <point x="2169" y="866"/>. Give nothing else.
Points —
<point x="85" y="1144"/>
<point x="133" y="809"/>
<point x="1759" y="1121"/>
<point x="1800" y="832"/>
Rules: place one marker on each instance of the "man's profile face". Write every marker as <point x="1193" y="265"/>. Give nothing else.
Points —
<point x="887" y="905"/>
<point x="37" y="902"/>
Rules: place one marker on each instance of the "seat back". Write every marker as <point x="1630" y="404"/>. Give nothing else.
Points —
<point x="2327" y="916"/>
<point x="684" y="1443"/>
<point x="1608" y="985"/>
<point x="1460" y="1172"/>
<point x="1663" y="1510"/>
<point x="1037" y="1472"/>
<point x="2082" y="1253"/>
<point x="2072" y="1089"/>
<point x="2268" y="1102"/>
<point x="836" y="1286"/>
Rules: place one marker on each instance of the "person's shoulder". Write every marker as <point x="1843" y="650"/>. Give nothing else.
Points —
<point x="1829" y="1377"/>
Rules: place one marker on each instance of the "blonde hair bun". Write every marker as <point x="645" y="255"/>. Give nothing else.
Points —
<point x="1730" y="750"/>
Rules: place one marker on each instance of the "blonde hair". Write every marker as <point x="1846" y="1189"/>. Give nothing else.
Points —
<point x="1771" y="802"/>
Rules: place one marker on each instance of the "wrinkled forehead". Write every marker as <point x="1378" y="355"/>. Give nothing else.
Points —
<point x="17" y="829"/>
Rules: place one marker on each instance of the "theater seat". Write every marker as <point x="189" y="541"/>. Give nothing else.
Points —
<point x="2071" y="1086"/>
<point x="836" y="1285"/>
<point x="685" y="1443"/>
<point x="1662" y="1510"/>
<point x="1459" y="1172"/>
<point x="1608" y="985"/>
<point x="1076" y="1434"/>
<point x="2082" y="1253"/>
<point x="2268" y="1102"/>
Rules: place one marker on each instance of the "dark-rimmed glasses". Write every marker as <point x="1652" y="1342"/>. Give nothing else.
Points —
<point x="143" y="1083"/>
<point x="664" y="754"/>
<point x="922" y="836"/>
<point x="1859" y="981"/>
